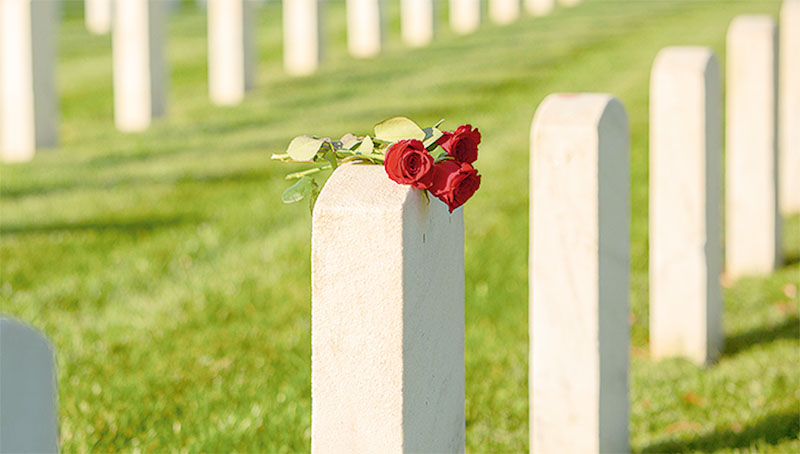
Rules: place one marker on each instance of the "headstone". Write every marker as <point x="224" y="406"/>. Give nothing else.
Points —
<point x="790" y="107"/>
<point x="686" y="205"/>
<point x="539" y="7"/>
<point x="28" y="395"/>
<point x="231" y="59"/>
<point x="302" y="35"/>
<point x="139" y="68"/>
<point x="364" y="24"/>
<point x="97" y="15"/>
<point x="28" y="100"/>
<point x="503" y="11"/>
<point x="387" y="318"/>
<point x="417" y="22"/>
<point x="752" y="224"/>
<point x="465" y="16"/>
<point x="579" y="275"/>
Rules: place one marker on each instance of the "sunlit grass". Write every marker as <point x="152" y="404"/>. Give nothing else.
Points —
<point x="175" y="285"/>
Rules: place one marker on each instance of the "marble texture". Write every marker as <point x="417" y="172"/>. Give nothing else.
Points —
<point x="365" y="22"/>
<point x="504" y="11"/>
<point x="417" y="22"/>
<point x="752" y="223"/>
<point x="302" y="36"/>
<point x="29" y="403"/>
<point x="686" y="205"/>
<point x="579" y="275"/>
<point x="387" y="318"/>
<point x="140" y="79"/>
<point x="790" y="107"/>
<point x="465" y="16"/>
<point x="28" y="98"/>
<point x="231" y="50"/>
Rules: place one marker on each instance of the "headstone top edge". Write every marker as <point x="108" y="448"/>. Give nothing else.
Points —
<point x="684" y="57"/>
<point x="578" y="109"/>
<point x="362" y="188"/>
<point x="752" y="22"/>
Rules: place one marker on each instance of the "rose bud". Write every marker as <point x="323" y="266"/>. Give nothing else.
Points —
<point x="454" y="182"/>
<point x="462" y="144"/>
<point x="408" y="162"/>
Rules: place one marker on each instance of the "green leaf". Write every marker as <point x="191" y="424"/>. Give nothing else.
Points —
<point x="366" y="146"/>
<point x="304" y="187"/>
<point x="398" y="128"/>
<point x="432" y="134"/>
<point x="304" y="148"/>
<point x="349" y="141"/>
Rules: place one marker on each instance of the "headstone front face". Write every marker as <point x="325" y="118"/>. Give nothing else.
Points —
<point x="387" y="318"/>
<point x="28" y="102"/>
<point x="503" y="11"/>
<point x="686" y="205"/>
<point x="465" y="16"/>
<point x="230" y="50"/>
<point x="364" y="27"/>
<point x="790" y="107"/>
<point x="579" y="275"/>
<point x="302" y="36"/>
<point x="752" y="224"/>
<point x="28" y="397"/>
<point x="539" y="7"/>
<point x="97" y="15"/>
<point x="139" y="69"/>
<point x="417" y="22"/>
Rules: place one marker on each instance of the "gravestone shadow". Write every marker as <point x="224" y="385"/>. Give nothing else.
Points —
<point x="788" y="329"/>
<point x="771" y="429"/>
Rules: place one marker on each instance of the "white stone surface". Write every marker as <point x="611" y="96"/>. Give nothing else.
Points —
<point x="539" y="7"/>
<point x="302" y="36"/>
<point x="28" y="101"/>
<point x="364" y="27"/>
<point x="465" y="16"/>
<point x="503" y="11"/>
<point x="97" y="15"/>
<point x="139" y="70"/>
<point x="387" y="318"/>
<point x="231" y="53"/>
<point x="579" y="275"/>
<point x="28" y="395"/>
<point x="752" y="224"/>
<point x="417" y="22"/>
<point x="790" y="107"/>
<point x="686" y="205"/>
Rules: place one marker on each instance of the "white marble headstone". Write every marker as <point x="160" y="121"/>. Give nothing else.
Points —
<point x="28" y="390"/>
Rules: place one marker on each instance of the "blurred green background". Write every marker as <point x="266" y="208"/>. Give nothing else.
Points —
<point x="175" y="285"/>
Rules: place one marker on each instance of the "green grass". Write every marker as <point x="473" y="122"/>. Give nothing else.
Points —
<point x="175" y="286"/>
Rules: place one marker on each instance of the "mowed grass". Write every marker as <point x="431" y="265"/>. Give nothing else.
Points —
<point x="175" y="285"/>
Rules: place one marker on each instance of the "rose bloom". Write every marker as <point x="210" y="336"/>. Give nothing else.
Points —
<point x="461" y="144"/>
<point x="408" y="162"/>
<point x="454" y="182"/>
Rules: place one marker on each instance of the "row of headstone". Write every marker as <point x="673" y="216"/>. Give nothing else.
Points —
<point x="686" y="246"/>
<point x="387" y="351"/>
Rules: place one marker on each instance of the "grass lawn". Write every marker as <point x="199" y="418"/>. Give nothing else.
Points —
<point x="175" y="285"/>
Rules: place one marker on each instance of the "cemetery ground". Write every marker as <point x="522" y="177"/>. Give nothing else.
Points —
<point x="175" y="285"/>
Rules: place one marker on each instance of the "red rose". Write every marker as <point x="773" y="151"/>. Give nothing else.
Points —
<point x="408" y="162"/>
<point x="454" y="182"/>
<point x="462" y="144"/>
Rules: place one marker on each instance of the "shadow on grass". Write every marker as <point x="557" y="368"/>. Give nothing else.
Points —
<point x="788" y="329"/>
<point x="791" y="258"/>
<point x="129" y="226"/>
<point x="771" y="429"/>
